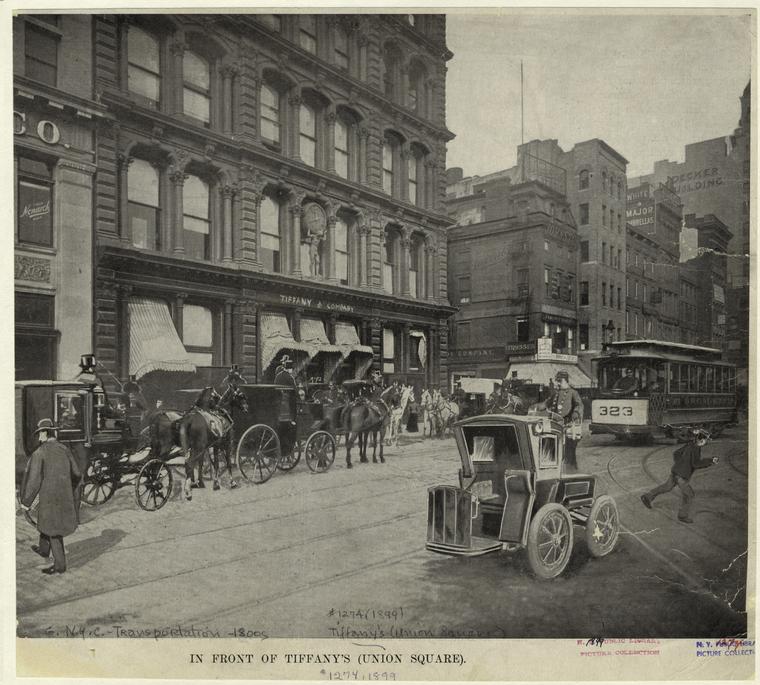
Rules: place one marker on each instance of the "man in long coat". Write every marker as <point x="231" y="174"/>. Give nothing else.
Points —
<point x="283" y="374"/>
<point x="52" y="473"/>
<point x="567" y="403"/>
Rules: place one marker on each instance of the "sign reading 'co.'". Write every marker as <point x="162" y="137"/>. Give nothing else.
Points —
<point x="47" y="130"/>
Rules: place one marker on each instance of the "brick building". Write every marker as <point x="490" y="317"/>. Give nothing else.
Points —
<point x="271" y="184"/>
<point x="54" y="119"/>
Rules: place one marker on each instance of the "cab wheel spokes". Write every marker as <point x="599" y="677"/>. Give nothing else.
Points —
<point x="550" y="540"/>
<point x="320" y="451"/>
<point x="153" y="486"/>
<point x="602" y="526"/>
<point x="99" y="482"/>
<point x="258" y="453"/>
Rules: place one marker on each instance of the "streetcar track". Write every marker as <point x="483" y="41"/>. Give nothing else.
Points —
<point x="218" y="564"/>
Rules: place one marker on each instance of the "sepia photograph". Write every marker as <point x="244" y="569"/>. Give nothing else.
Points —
<point x="344" y="331"/>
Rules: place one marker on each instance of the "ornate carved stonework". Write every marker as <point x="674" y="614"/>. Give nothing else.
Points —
<point x="32" y="269"/>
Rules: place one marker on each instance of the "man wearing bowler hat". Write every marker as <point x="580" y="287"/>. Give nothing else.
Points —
<point x="567" y="403"/>
<point x="54" y="474"/>
<point x="283" y="375"/>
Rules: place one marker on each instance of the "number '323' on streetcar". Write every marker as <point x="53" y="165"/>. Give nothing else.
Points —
<point x="650" y="387"/>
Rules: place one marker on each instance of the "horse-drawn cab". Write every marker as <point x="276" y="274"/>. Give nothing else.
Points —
<point x="512" y="495"/>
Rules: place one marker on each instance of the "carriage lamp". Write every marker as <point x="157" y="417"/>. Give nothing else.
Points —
<point x="87" y="363"/>
<point x="541" y="426"/>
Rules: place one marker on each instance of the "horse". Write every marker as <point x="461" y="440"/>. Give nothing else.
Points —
<point x="511" y="404"/>
<point x="426" y="406"/>
<point x="444" y="412"/>
<point x="205" y="426"/>
<point x="397" y="413"/>
<point x="363" y="417"/>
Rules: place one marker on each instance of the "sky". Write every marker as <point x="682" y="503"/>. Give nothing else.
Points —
<point x="647" y="84"/>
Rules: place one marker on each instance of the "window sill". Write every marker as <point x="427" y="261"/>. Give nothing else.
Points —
<point x="38" y="249"/>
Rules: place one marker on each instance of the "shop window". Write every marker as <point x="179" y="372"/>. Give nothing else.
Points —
<point x="523" y="330"/>
<point x="34" y="202"/>
<point x="196" y="74"/>
<point x="583" y="213"/>
<point x="198" y="334"/>
<point x="41" y="54"/>
<point x="143" y="64"/>
<point x="307" y="135"/>
<point x="196" y="222"/>
<point x="269" y="215"/>
<point x="341" y="251"/>
<point x="307" y="36"/>
<point x="583" y="180"/>
<point x="36" y="339"/>
<point x="143" y="205"/>
<point x="389" y="351"/>
<point x="341" y="48"/>
<point x="270" y="113"/>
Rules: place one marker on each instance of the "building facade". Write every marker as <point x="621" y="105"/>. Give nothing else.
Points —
<point x="54" y="122"/>
<point x="653" y="225"/>
<point x="268" y="185"/>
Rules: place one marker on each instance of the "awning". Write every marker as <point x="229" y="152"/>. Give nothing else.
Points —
<point x="275" y="336"/>
<point x="313" y="333"/>
<point x="421" y="346"/>
<point x="153" y="341"/>
<point x="347" y="339"/>
<point x="541" y="372"/>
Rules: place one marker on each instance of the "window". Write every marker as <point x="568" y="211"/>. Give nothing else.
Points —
<point x="604" y="215"/>
<point x="619" y="224"/>
<point x="604" y="181"/>
<point x="415" y="257"/>
<point x="583" y="336"/>
<point x="270" y="113"/>
<point x="34" y="202"/>
<point x="523" y="330"/>
<point x="416" y="94"/>
<point x="546" y="245"/>
<point x="571" y="288"/>
<point x="612" y="217"/>
<point x="36" y="338"/>
<point x="341" y="148"/>
<point x="196" y="74"/>
<point x="583" y="180"/>
<point x="307" y="135"/>
<point x="612" y="295"/>
<point x="464" y="289"/>
<point x="584" y="250"/>
<point x="388" y="167"/>
<point x="547" y="452"/>
<point x="341" y="251"/>
<point x="619" y="195"/>
<point x="144" y="64"/>
<point x="308" y="33"/>
<point x="412" y="162"/>
<point x="523" y="281"/>
<point x="270" y="234"/>
<point x="620" y="299"/>
<point x="41" y="55"/>
<point x="584" y="293"/>
<point x="463" y="334"/>
<point x="627" y="322"/>
<point x="143" y="206"/>
<point x="604" y="293"/>
<point x="627" y="287"/>
<point x="389" y="350"/>
<point x="198" y="334"/>
<point x="341" y="49"/>
<point x="619" y="259"/>
<point x="547" y="281"/>
<point x="644" y="297"/>
<point x="196" y="223"/>
<point x="389" y="266"/>
<point x="583" y="210"/>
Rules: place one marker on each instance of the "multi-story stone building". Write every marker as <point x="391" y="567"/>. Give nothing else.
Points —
<point x="513" y="275"/>
<point x="688" y="306"/>
<point x="653" y="224"/>
<point x="54" y="120"/>
<point x="272" y="184"/>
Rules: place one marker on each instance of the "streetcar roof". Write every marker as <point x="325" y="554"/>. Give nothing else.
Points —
<point x="647" y="355"/>
<point x="662" y="344"/>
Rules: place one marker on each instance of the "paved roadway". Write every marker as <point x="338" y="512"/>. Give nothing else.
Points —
<point x="343" y="554"/>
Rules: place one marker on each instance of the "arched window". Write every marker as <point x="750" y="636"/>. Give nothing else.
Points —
<point x="412" y="163"/>
<point x="269" y="216"/>
<point x="196" y="222"/>
<point x="270" y="113"/>
<point x="411" y="19"/>
<point x="619" y="190"/>
<point x="390" y="261"/>
<point x="143" y="205"/>
<point x="341" y="48"/>
<point x="416" y="255"/>
<point x="416" y="95"/>
<point x="143" y="64"/>
<point x="307" y="36"/>
<point x="388" y="155"/>
<point x="391" y="71"/>
<point x="604" y="181"/>
<point x="583" y="180"/>
<point x="307" y="135"/>
<point x="342" y="251"/>
<point x="342" y="147"/>
<point x="196" y="93"/>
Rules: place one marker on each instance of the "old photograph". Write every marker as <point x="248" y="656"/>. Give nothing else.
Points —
<point x="360" y="326"/>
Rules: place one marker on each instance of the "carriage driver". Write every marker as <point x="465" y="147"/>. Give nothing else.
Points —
<point x="568" y="404"/>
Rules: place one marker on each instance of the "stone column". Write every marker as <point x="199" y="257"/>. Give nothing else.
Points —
<point x="124" y="52"/>
<point x="228" y="334"/>
<point x="430" y="253"/>
<point x="294" y="246"/>
<point x="122" y="166"/>
<point x="361" y="157"/>
<point x="332" y="320"/>
<point x="177" y="53"/>
<point x="363" y="261"/>
<point x="246" y="115"/>
<point x="443" y="353"/>
<point x="330" y="120"/>
<point x="328" y="268"/>
<point x="405" y="263"/>
<point x="403" y="175"/>
<point x="226" y="73"/>
<point x="228" y="191"/>
<point x="178" y="177"/>
<point x="376" y="340"/>
<point x="429" y="189"/>
<point x="361" y="41"/>
<point x="402" y="98"/>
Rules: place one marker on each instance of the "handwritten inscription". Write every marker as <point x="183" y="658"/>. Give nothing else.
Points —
<point x="618" y="647"/>
<point x="150" y="632"/>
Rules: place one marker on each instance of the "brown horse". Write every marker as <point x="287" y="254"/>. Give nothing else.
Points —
<point x="361" y="418"/>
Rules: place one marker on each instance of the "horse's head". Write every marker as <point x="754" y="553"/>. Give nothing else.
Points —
<point x="208" y="399"/>
<point x="238" y="399"/>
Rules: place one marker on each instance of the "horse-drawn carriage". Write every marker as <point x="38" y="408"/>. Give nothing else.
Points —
<point x="279" y="428"/>
<point x="513" y="495"/>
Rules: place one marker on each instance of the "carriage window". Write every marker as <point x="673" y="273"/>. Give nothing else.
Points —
<point x="69" y="412"/>
<point x="547" y="452"/>
<point x="495" y="444"/>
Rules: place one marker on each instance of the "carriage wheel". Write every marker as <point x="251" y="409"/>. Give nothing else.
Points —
<point x="99" y="481"/>
<point x="286" y="462"/>
<point x="550" y="540"/>
<point x="258" y="453"/>
<point x="153" y="485"/>
<point x="602" y="526"/>
<point x="320" y="451"/>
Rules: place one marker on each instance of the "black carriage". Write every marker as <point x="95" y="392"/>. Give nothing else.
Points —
<point x="279" y="428"/>
<point x="513" y="495"/>
<point x="104" y="437"/>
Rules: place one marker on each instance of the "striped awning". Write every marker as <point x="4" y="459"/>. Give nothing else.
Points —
<point x="276" y="336"/>
<point x="347" y="339"/>
<point x="313" y="333"/>
<point x="541" y="372"/>
<point x="153" y="341"/>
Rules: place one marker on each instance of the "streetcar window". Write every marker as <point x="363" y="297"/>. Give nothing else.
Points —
<point x="683" y="378"/>
<point x="731" y="381"/>
<point x="709" y="379"/>
<point x="701" y="386"/>
<point x="724" y="379"/>
<point x="692" y="371"/>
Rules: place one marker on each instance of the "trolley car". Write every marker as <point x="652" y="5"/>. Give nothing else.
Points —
<point x="648" y="387"/>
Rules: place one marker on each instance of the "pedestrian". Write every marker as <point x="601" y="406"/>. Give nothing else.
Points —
<point x="568" y="405"/>
<point x="284" y="374"/>
<point x="686" y="460"/>
<point x="52" y="473"/>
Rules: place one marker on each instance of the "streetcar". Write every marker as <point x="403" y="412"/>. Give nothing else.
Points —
<point x="651" y="387"/>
